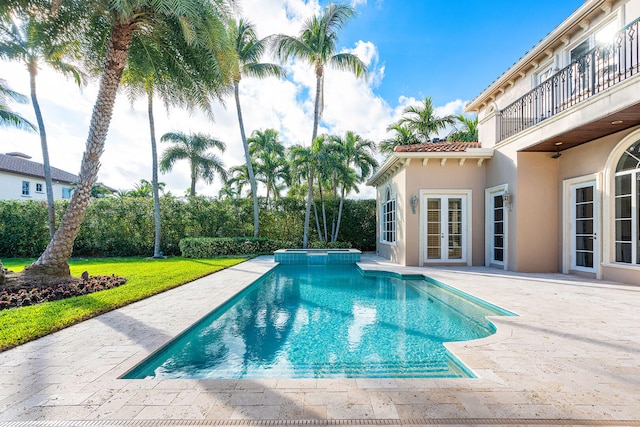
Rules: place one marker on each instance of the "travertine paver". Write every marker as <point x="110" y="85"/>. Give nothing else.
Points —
<point x="571" y="357"/>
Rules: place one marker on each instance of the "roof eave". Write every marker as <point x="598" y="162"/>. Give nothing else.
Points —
<point x="398" y="159"/>
<point x="514" y="71"/>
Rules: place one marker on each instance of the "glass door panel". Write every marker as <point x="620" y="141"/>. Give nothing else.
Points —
<point x="497" y="230"/>
<point x="583" y="251"/>
<point x="445" y="226"/>
<point x="434" y="224"/>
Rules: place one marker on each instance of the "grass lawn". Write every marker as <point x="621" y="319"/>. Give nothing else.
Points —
<point x="146" y="277"/>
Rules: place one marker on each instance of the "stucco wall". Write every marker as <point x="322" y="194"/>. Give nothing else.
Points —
<point x="587" y="159"/>
<point x="536" y="207"/>
<point x="450" y="176"/>
<point x="394" y="252"/>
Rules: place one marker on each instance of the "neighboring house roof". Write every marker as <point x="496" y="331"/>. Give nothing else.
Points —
<point x="442" y="151"/>
<point x="437" y="147"/>
<point x="17" y="163"/>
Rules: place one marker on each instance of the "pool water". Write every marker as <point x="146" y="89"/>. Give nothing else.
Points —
<point x="316" y="321"/>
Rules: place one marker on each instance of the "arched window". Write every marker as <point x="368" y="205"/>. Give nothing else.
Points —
<point x="627" y="206"/>
<point x="388" y="218"/>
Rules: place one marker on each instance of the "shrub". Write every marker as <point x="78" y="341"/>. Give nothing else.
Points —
<point x="208" y="247"/>
<point x="25" y="297"/>
<point x="123" y="226"/>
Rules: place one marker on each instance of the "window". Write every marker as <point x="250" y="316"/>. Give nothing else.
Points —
<point x="388" y="222"/>
<point x="627" y="207"/>
<point x="66" y="192"/>
<point x="25" y="188"/>
<point x="38" y="188"/>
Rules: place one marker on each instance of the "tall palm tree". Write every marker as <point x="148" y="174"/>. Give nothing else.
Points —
<point x="155" y="67"/>
<point x="466" y="130"/>
<point x="268" y="154"/>
<point x="7" y="116"/>
<point x="30" y="43"/>
<point x="402" y="136"/>
<point x="357" y="155"/>
<point x="194" y="148"/>
<point x="316" y="45"/>
<point x="423" y="121"/>
<point x="249" y="50"/>
<point x="111" y="27"/>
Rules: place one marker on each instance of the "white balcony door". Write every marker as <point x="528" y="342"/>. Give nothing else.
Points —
<point x="445" y="228"/>
<point x="584" y="226"/>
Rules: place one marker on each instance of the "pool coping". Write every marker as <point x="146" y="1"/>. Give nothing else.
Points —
<point x="569" y="358"/>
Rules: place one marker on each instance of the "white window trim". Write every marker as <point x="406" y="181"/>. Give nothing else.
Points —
<point x="28" y="188"/>
<point x="469" y="219"/>
<point x="41" y="186"/>
<point x="384" y="201"/>
<point x="608" y="202"/>
<point x="489" y="194"/>
<point x="567" y="220"/>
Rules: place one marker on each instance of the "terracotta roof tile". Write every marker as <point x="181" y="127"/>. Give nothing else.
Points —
<point x="22" y="166"/>
<point x="437" y="147"/>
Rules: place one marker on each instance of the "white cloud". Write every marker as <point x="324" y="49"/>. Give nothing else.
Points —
<point x="285" y="105"/>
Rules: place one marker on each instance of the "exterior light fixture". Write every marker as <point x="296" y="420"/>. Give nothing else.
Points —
<point x="559" y="143"/>
<point x="617" y="122"/>
<point x="507" y="199"/>
<point x="414" y="203"/>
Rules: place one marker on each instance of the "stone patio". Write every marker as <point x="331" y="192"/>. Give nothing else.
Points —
<point x="571" y="357"/>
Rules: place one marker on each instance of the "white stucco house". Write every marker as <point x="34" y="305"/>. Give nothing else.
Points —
<point x="23" y="179"/>
<point x="553" y="184"/>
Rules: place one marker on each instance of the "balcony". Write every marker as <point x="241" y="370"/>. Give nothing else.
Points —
<point x="601" y="68"/>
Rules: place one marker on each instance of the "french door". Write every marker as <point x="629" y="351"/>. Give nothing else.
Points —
<point x="583" y="238"/>
<point x="497" y="229"/>
<point x="445" y="228"/>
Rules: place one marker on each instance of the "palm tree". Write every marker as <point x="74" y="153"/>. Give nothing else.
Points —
<point x="422" y="120"/>
<point x="303" y="164"/>
<point x="357" y="155"/>
<point x="249" y="50"/>
<point x="8" y="117"/>
<point x="194" y="148"/>
<point x="239" y="179"/>
<point x="468" y="130"/>
<point x="31" y="44"/>
<point x="317" y="46"/>
<point x="155" y="66"/>
<point x="268" y="154"/>
<point x="403" y="136"/>
<point x="116" y="23"/>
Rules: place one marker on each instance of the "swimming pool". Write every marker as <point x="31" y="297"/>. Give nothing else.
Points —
<point x="319" y="321"/>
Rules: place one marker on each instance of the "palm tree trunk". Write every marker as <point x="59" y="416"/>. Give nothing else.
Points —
<point x="315" y="211"/>
<point x="154" y="178"/>
<point x="317" y="109"/>
<point x="324" y="212"/>
<point x="335" y="237"/>
<point x="53" y="260"/>
<point x="247" y="157"/>
<point x="51" y="210"/>
<point x="307" y="212"/>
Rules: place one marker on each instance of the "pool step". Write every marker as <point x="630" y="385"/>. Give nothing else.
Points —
<point x="427" y="369"/>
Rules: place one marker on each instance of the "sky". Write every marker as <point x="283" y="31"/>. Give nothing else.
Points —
<point x="450" y="51"/>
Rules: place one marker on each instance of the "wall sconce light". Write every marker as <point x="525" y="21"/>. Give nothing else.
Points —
<point x="414" y="203"/>
<point x="507" y="198"/>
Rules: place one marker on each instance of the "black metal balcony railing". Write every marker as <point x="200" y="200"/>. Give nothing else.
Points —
<point x="600" y="68"/>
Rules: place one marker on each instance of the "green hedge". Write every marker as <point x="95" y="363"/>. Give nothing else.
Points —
<point x="123" y="226"/>
<point x="208" y="247"/>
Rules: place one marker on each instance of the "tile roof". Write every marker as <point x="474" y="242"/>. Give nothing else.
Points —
<point x="22" y="166"/>
<point x="437" y="147"/>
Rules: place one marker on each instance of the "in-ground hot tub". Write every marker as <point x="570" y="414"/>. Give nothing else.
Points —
<point x="317" y="256"/>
